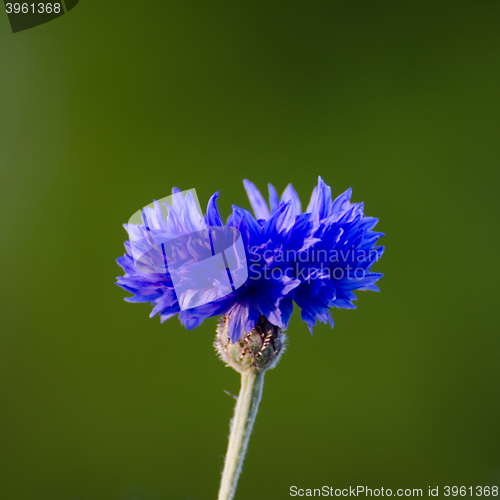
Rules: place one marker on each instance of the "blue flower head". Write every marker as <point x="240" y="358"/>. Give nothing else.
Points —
<point x="315" y="258"/>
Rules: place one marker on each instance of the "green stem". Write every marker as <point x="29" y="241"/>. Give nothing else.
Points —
<point x="245" y="411"/>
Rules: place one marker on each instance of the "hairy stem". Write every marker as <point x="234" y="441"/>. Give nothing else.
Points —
<point x="245" y="411"/>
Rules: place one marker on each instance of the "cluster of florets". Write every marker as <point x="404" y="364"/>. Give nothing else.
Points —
<point x="315" y="259"/>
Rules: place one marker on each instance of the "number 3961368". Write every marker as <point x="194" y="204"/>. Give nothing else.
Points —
<point x="25" y="8"/>
<point x="478" y="491"/>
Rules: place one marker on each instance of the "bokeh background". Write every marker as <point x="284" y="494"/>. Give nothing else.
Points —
<point x="111" y="105"/>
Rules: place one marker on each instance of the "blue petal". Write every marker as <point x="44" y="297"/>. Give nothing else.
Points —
<point x="373" y="256"/>
<point x="321" y="200"/>
<point x="286" y="219"/>
<point x="193" y="216"/>
<point x="213" y="216"/>
<point x="313" y="202"/>
<point x="246" y="223"/>
<point x="259" y="205"/>
<point x="341" y="203"/>
<point x="164" y="317"/>
<point x="237" y="321"/>
<point x="189" y="321"/>
<point x="160" y="218"/>
<point x="289" y="194"/>
<point x="280" y="220"/>
<point x="286" y="308"/>
<point x="274" y="201"/>
<point x="147" y="298"/>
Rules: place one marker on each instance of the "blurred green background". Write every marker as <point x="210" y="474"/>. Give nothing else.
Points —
<point x="111" y="105"/>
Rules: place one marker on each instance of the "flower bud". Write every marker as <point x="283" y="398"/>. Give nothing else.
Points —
<point x="258" y="349"/>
